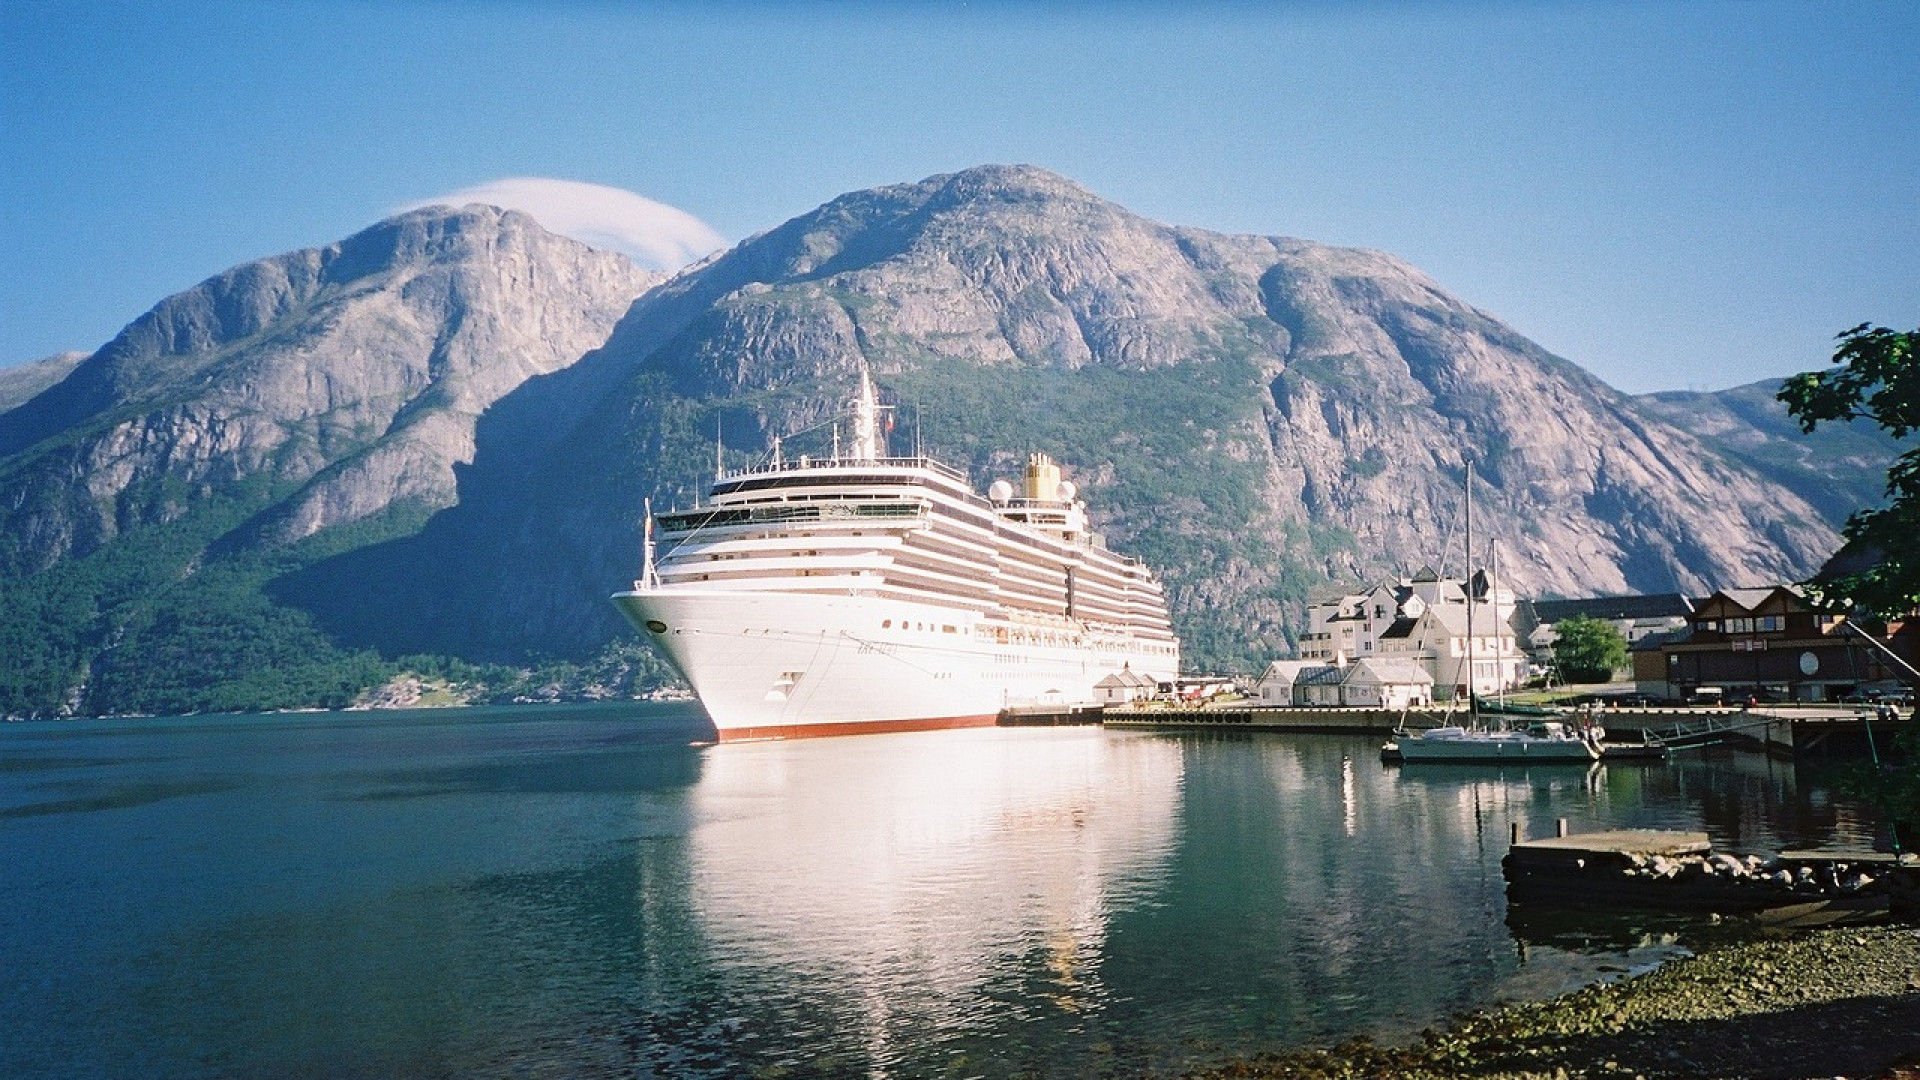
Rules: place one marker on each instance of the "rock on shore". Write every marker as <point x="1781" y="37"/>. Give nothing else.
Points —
<point x="1832" y="1003"/>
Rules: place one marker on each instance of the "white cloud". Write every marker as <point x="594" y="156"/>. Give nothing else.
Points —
<point x="653" y="234"/>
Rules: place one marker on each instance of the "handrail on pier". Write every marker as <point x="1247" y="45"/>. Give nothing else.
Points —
<point x="1711" y="729"/>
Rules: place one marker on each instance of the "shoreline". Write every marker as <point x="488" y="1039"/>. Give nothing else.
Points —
<point x="1841" y="1002"/>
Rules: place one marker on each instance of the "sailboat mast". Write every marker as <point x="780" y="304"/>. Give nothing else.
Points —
<point x="1493" y="608"/>
<point x="1473" y="703"/>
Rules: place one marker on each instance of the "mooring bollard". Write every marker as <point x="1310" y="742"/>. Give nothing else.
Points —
<point x="1560" y="827"/>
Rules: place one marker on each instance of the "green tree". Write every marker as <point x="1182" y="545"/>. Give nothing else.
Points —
<point x="1878" y="379"/>
<point x="1878" y="571"/>
<point x="1586" y="649"/>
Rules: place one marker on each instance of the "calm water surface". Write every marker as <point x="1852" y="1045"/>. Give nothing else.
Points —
<point x="579" y="892"/>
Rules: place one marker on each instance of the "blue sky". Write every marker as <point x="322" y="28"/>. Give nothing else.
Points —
<point x="1673" y="195"/>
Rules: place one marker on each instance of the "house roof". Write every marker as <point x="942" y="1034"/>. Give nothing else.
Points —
<point x="1332" y="593"/>
<point x="1287" y="669"/>
<point x="1453" y="619"/>
<point x="1125" y="678"/>
<point x="1753" y="598"/>
<point x="1401" y="628"/>
<point x="1389" y="669"/>
<point x="1653" y="642"/>
<point x="1323" y="675"/>
<point x="1654" y="606"/>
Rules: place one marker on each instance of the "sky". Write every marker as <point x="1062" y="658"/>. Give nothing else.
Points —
<point x="1672" y="195"/>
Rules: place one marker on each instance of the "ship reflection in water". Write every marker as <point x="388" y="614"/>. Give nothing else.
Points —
<point x="576" y="891"/>
<point x="893" y="898"/>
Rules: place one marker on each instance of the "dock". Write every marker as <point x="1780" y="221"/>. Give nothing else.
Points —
<point x="1279" y="718"/>
<point x="1639" y="733"/>
<point x="1786" y="731"/>
<point x="1679" y="871"/>
<point x="1050" y="716"/>
<point x="1167" y="716"/>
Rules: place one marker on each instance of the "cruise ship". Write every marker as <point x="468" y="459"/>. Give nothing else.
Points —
<point x="867" y="593"/>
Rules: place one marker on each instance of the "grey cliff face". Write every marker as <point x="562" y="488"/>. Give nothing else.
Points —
<point x="1251" y="414"/>
<point x="1391" y="386"/>
<point x="345" y="379"/>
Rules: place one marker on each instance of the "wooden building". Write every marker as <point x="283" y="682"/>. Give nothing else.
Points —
<point x="1767" y="644"/>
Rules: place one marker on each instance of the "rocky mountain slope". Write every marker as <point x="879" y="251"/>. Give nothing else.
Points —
<point x="22" y="382"/>
<point x="1838" y="468"/>
<point x="348" y="378"/>
<point x="1253" y="415"/>
<point x="314" y="392"/>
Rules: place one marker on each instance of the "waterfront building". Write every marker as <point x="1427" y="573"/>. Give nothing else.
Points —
<point x="1124" y="686"/>
<point x="1424" y="619"/>
<point x="1276" y="684"/>
<point x="1375" y="682"/>
<point x="1768" y="644"/>
<point x="1635" y="617"/>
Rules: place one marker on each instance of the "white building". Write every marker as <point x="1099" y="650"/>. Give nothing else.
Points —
<point x="1424" y="619"/>
<point x="1276" y="684"/>
<point x="1124" y="686"/>
<point x="1372" y="683"/>
<point x="1441" y="641"/>
<point x="1387" y="683"/>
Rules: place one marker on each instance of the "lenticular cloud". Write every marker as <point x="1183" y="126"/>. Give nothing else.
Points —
<point x="653" y="234"/>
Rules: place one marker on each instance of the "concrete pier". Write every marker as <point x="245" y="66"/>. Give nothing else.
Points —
<point x="1275" y="718"/>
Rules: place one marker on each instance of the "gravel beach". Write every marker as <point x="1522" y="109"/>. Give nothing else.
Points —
<point x="1828" y="1003"/>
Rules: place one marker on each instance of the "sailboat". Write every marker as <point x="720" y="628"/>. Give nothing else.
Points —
<point x="1542" y="742"/>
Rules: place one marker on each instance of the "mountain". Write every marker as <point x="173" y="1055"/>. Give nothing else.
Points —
<point x="23" y="381"/>
<point x="1837" y="468"/>
<point x="1253" y="415"/>
<point x="296" y="441"/>
<point x="320" y="392"/>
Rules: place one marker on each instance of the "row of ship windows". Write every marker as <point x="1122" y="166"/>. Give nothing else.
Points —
<point x="1008" y="564"/>
<point x="1020" y="636"/>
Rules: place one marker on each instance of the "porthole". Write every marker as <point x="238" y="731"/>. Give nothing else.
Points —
<point x="656" y="626"/>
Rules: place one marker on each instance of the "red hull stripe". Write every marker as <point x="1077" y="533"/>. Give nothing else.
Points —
<point x="856" y="727"/>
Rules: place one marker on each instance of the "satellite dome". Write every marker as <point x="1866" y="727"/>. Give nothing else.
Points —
<point x="1067" y="491"/>
<point x="1000" y="491"/>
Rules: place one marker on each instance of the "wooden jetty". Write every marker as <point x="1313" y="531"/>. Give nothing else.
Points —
<point x="1679" y="871"/>
<point x="1787" y="731"/>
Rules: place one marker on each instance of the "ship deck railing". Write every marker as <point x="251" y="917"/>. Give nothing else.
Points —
<point x="772" y="513"/>
<point x="795" y="464"/>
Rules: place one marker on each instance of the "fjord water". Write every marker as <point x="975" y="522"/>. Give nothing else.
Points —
<point x="578" y="891"/>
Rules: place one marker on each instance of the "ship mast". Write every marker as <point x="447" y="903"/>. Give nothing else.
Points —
<point x="866" y="421"/>
<point x="1473" y="702"/>
<point x="649" y="576"/>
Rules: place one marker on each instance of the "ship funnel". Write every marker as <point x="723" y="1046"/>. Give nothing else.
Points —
<point x="1043" y="478"/>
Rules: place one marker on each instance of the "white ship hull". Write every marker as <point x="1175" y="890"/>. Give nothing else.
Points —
<point x="782" y="665"/>
<point x="863" y="593"/>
